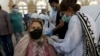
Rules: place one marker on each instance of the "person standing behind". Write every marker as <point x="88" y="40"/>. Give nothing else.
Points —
<point x="5" y="33"/>
<point x="60" y="26"/>
<point x="16" y="20"/>
<point x="43" y="15"/>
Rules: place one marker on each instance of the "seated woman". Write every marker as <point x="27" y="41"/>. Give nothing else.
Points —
<point x="34" y="44"/>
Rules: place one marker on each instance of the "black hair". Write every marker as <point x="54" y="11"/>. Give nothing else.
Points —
<point x="72" y="1"/>
<point x="0" y="7"/>
<point x="76" y="7"/>
<point x="65" y="4"/>
<point x="51" y="1"/>
<point x="13" y="6"/>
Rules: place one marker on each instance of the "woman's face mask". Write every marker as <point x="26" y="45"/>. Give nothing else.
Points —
<point x="35" y="31"/>
<point x="66" y="18"/>
<point x="36" y="34"/>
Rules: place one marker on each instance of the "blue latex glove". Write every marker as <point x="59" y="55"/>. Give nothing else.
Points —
<point x="49" y="33"/>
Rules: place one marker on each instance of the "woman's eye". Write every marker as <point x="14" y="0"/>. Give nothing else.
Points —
<point x="38" y="27"/>
<point x="33" y="27"/>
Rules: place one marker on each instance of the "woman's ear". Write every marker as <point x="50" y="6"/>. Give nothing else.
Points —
<point x="71" y="10"/>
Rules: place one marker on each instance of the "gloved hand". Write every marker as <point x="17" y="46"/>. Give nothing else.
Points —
<point x="56" y="38"/>
<point x="49" y="33"/>
<point x="50" y="41"/>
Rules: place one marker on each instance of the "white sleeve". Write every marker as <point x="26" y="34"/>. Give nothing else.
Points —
<point x="72" y="37"/>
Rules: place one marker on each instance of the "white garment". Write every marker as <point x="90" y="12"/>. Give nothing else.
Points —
<point x="45" y="18"/>
<point x="72" y="44"/>
<point x="53" y="15"/>
<point x="20" y="48"/>
<point x="46" y="22"/>
<point x="35" y="15"/>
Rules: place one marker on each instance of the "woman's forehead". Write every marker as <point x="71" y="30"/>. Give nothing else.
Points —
<point x="36" y="24"/>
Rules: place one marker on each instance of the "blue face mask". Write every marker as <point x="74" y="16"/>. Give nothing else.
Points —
<point x="54" y="8"/>
<point x="66" y="18"/>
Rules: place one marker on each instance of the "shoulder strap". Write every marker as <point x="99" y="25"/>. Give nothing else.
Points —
<point x="90" y="46"/>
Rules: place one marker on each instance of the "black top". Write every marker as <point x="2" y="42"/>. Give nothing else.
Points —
<point x="61" y="31"/>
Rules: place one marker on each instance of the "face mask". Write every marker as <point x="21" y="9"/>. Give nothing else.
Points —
<point x="66" y="18"/>
<point x="15" y="10"/>
<point x="54" y="8"/>
<point x="36" y="34"/>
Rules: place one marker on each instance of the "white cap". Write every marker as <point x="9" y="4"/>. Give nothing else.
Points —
<point x="35" y="15"/>
<point x="42" y="16"/>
